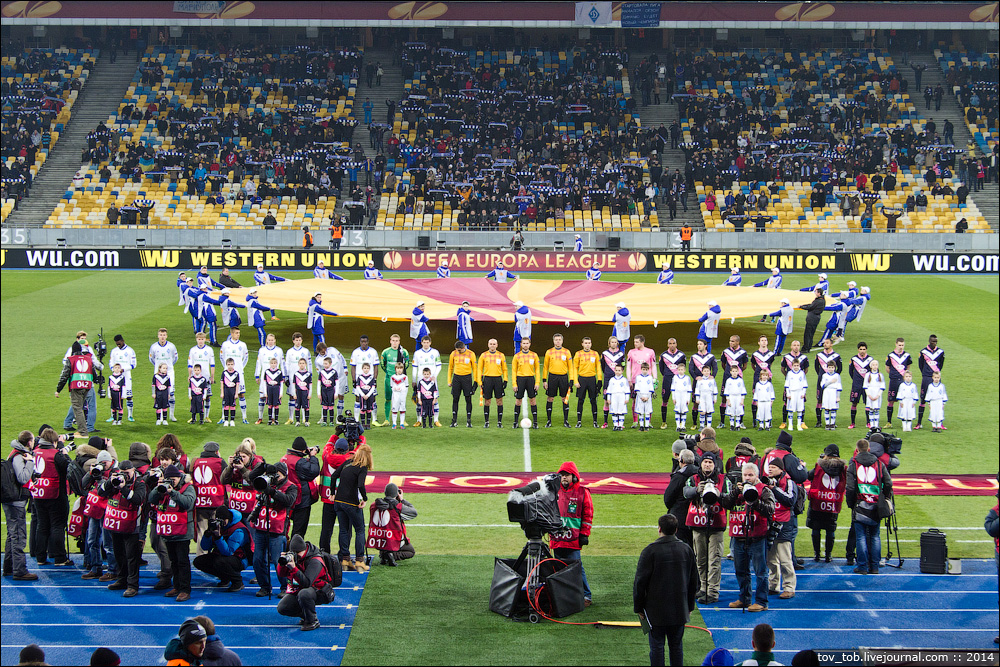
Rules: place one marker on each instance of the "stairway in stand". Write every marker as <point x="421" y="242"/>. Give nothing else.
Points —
<point x="99" y="98"/>
<point x="391" y="88"/>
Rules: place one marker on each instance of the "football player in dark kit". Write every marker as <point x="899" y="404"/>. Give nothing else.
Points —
<point x="931" y="360"/>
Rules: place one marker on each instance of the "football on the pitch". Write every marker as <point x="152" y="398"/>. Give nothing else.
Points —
<point x="526" y="422"/>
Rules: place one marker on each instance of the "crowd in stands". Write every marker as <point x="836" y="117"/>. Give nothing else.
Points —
<point x="37" y="91"/>
<point x="973" y="80"/>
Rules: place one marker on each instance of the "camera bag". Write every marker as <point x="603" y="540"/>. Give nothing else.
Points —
<point x="933" y="552"/>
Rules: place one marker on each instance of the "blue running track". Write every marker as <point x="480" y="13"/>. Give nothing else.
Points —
<point x="69" y="618"/>
<point x="834" y="608"/>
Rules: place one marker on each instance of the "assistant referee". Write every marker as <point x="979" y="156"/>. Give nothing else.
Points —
<point x="527" y="372"/>
<point x="558" y="371"/>
<point x="587" y="366"/>
<point x="463" y="379"/>
<point x="493" y="375"/>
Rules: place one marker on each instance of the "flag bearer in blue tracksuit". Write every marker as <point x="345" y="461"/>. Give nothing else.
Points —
<point x="464" y="322"/>
<point x="443" y="271"/>
<point x="205" y="280"/>
<point x="314" y="319"/>
<point x="230" y="314"/>
<point x="256" y="315"/>
<point x="418" y="324"/>
<point x="666" y="276"/>
<point x="371" y="273"/>
<point x="501" y="274"/>
<point x="621" y="324"/>
<point x="594" y="273"/>
<point x="205" y="302"/>
<point x="324" y="273"/>
<point x="734" y="279"/>
<point x="709" y="330"/>
<point x="191" y="307"/>
<point x="823" y="284"/>
<point x="783" y="326"/>
<point x="773" y="282"/>
<point x="182" y="288"/>
<point x="522" y="324"/>
<point x="262" y="277"/>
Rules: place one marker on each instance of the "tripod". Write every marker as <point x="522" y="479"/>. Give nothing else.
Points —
<point x="892" y="530"/>
<point x="533" y="553"/>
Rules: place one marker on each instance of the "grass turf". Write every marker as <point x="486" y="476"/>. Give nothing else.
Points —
<point x="42" y="311"/>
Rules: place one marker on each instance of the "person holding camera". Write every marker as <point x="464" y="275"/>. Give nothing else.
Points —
<point x="673" y="496"/>
<point x="94" y="507"/>
<point x="227" y="548"/>
<point x="240" y="494"/>
<point x="206" y="473"/>
<point x="869" y="488"/>
<point x="335" y="454"/>
<point x="276" y="495"/>
<point x="126" y="494"/>
<point x="303" y="468"/>
<point x="780" y="565"/>
<point x="706" y="519"/>
<point x="173" y="500"/>
<point x="576" y="509"/>
<point x="51" y="497"/>
<point x="89" y="404"/>
<point x="396" y="511"/>
<point x="795" y="469"/>
<point x="79" y="370"/>
<point x="751" y="505"/>
<point x="350" y="500"/>
<point x="828" y="483"/>
<point x="165" y="457"/>
<point x="310" y="582"/>
<point x="19" y="469"/>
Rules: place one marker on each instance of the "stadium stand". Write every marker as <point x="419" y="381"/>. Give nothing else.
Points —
<point x="206" y="140"/>
<point x="39" y="88"/>
<point x="542" y="140"/>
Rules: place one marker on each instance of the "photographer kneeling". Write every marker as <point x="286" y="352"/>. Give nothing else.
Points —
<point x="228" y="549"/>
<point x="310" y="582"/>
<point x="173" y="500"/>
<point x="398" y="512"/>
<point x="707" y="521"/>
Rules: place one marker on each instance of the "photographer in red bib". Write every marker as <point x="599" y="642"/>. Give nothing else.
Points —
<point x="173" y="500"/>
<point x="126" y="494"/>
<point x="276" y="495"/>
<point x="751" y="506"/>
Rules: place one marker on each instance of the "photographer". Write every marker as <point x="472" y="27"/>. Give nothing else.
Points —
<point x="577" y="512"/>
<point x="126" y="494"/>
<point x="309" y="582"/>
<point x="240" y="494"/>
<point x="673" y="496"/>
<point x="165" y="458"/>
<point x="399" y="512"/>
<point x="19" y="468"/>
<point x="173" y="500"/>
<point x="744" y="452"/>
<point x="94" y="506"/>
<point x="779" y="556"/>
<point x="51" y="498"/>
<point x="335" y="454"/>
<point x="795" y="469"/>
<point x="227" y="548"/>
<point x="79" y="370"/>
<point x="877" y="446"/>
<point x="751" y="505"/>
<point x="303" y="468"/>
<point x="275" y="496"/>
<point x="350" y="499"/>
<point x="207" y="476"/>
<point x="868" y="489"/>
<point x="706" y="519"/>
<point x="828" y="482"/>
<point x="706" y="446"/>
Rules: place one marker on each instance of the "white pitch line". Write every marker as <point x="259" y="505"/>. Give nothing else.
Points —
<point x="527" y="450"/>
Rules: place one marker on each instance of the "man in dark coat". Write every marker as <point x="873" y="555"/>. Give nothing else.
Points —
<point x="814" y="311"/>
<point x="673" y="497"/>
<point x="666" y="583"/>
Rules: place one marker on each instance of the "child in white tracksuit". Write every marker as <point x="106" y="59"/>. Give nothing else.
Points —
<point x="763" y="393"/>
<point x="831" y="385"/>
<point x="735" y="391"/>
<point x="937" y="397"/>
<point x="680" y="392"/>
<point x="644" y="388"/>
<point x="617" y="393"/>
<point x="706" y="391"/>
<point x="874" y="387"/>
<point x="400" y="384"/>
<point x="907" y="396"/>
<point x="796" y="384"/>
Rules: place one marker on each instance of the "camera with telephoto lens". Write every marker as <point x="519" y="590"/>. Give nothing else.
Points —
<point x="101" y="351"/>
<point x="286" y="558"/>
<point x="691" y="441"/>
<point x="117" y="481"/>
<point x="750" y="494"/>
<point x="164" y="486"/>
<point x="155" y="474"/>
<point x="710" y="494"/>
<point x="263" y="482"/>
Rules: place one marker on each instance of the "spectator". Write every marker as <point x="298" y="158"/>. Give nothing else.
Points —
<point x="763" y="644"/>
<point x="215" y="652"/>
<point x="663" y="594"/>
<point x="188" y="647"/>
<point x="961" y="226"/>
<point x="32" y="654"/>
<point x="270" y="222"/>
<point x="22" y="463"/>
<point x="104" y="657"/>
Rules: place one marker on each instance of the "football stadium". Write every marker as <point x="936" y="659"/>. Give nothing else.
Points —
<point x="500" y="333"/>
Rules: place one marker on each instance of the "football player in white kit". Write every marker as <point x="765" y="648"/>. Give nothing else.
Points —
<point x="264" y="356"/>
<point x="426" y="357"/>
<point x="204" y="356"/>
<point x="235" y="349"/>
<point x="125" y="356"/>
<point x="165" y="352"/>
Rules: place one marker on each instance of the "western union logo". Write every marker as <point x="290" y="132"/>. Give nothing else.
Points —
<point x="159" y="259"/>
<point x="870" y="262"/>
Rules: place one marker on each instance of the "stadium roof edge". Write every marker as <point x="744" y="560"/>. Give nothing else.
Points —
<point x="557" y="14"/>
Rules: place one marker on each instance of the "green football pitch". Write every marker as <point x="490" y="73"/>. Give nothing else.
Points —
<point x="446" y="586"/>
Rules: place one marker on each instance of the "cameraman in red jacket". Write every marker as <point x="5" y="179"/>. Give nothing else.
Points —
<point x="577" y="512"/>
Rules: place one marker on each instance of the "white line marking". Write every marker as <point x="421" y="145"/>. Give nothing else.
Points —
<point x="527" y="450"/>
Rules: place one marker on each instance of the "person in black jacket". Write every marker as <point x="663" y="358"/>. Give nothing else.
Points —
<point x="350" y="500"/>
<point x="868" y="487"/>
<point x="52" y="513"/>
<point x="303" y="467"/>
<point x="22" y="465"/>
<point x="673" y="497"/>
<point x="269" y="537"/>
<point x="310" y="583"/>
<point x="992" y="527"/>
<point x="666" y="583"/>
<point x="814" y="311"/>
<point x="227" y="280"/>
